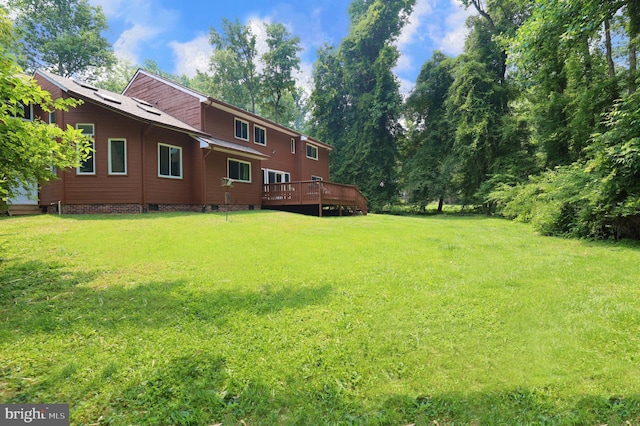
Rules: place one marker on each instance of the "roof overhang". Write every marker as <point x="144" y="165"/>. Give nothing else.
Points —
<point x="230" y="148"/>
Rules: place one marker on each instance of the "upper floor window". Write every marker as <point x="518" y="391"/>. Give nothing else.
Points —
<point x="117" y="156"/>
<point x="242" y="129"/>
<point x="259" y="135"/>
<point x="312" y="152"/>
<point x="239" y="170"/>
<point x="169" y="161"/>
<point x="293" y="145"/>
<point x="88" y="166"/>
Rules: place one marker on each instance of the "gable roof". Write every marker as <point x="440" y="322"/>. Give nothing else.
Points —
<point x="216" y="103"/>
<point x="125" y="105"/>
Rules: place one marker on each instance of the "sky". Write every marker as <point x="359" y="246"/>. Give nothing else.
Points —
<point x="175" y="34"/>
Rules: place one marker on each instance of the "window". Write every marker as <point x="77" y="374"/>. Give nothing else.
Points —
<point x="293" y="146"/>
<point x="275" y="176"/>
<point x="52" y="117"/>
<point x="169" y="161"/>
<point x="314" y="177"/>
<point x="239" y="170"/>
<point x="23" y="111"/>
<point x="242" y="129"/>
<point x="88" y="166"/>
<point x="117" y="156"/>
<point x="259" y="135"/>
<point x="312" y="152"/>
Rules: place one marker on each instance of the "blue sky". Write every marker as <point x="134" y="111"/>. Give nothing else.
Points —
<point x="175" y="34"/>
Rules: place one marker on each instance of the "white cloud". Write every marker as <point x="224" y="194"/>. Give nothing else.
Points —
<point x="192" y="56"/>
<point x="457" y="31"/>
<point x="411" y="33"/>
<point x="411" y="30"/>
<point x="128" y="45"/>
<point x="146" y="22"/>
<point x="406" y="87"/>
<point x="258" y="27"/>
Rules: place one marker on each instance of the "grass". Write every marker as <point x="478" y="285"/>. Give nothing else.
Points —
<point x="274" y="318"/>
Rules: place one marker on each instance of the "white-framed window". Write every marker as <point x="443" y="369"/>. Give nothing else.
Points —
<point x="117" y="156"/>
<point x="88" y="166"/>
<point x="259" y="135"/>
<point x="169" y="161"/>
<point x="314" y="177"/>
<point x="241" y="129"/>
<point x="238" y="170"/>
<point x="52" y="117"/>
<point x="293" y="145"/>
<point x="312" y="152"/>
<point x="23" y="111"/>
<point x="275" y="176"/>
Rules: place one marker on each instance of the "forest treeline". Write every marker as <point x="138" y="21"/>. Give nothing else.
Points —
<point x="537" y="120"/>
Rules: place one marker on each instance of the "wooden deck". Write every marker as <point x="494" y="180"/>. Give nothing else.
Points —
<point x="324" y="196"/>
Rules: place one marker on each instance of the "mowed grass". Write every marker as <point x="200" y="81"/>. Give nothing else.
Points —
<point x="276" y="318"/>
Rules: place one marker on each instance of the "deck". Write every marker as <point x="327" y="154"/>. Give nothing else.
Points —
<point x="316" y="196"/>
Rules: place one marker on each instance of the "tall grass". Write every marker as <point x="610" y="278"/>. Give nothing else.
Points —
<point x="274" y="318"/>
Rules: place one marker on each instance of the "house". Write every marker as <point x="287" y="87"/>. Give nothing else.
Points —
<point x="160" y="146"/>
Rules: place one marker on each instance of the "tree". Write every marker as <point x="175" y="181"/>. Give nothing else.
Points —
<point x="233" y="64"/>
<point x="428" y="157"/>
<point x="63" y="36"/>
<point x="28" y="149"/>
<point x="366" y="93"/>
<point x="279" y="63"/>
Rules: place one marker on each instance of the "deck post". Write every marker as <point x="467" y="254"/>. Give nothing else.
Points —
<point x="320" y="189"/>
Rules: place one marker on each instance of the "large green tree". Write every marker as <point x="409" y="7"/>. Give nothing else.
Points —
<point x="233" y="66"/>
<point x="280" y="61"/>
<point x="30" y="148"/>
<point x="64" y="36"/>
<point x="366" y="93"/>
<point x="428" y="157"/>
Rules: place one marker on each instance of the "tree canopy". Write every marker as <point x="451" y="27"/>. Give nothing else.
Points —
<point x="29" y="147"/>
<point x="63" y="36"/>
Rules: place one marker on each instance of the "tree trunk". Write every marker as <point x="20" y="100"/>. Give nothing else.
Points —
<point x="607" y="34"/>
<point x="440" y="204"/>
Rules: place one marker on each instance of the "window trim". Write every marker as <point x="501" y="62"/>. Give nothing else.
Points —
<point x="179" y="148"/>
<point x="293" y="145"/>
<point x="264" y="129"/>
<point x="314" y="148"/>
<point x="92" y="136"/>
<point x="286" y="176"/>
<point x="111" y="172"/>
<point x="229" y="159"/>
<point x="235" y="133"/>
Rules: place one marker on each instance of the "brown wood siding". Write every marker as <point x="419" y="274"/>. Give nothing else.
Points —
<point x="241" y="193"/>
<point x="311" y="167"/>
<point x="101" y="187"/>
<point x="163" y="190"/>
<point x="221" y="124"/>
<point x="174" y="102"/>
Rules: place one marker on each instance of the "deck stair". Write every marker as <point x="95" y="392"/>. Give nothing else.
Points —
<point x="23" y="209"/>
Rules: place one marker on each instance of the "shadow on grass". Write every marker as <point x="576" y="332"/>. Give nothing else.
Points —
<point x="197" y="390"/>
<point x="40" y="296"/>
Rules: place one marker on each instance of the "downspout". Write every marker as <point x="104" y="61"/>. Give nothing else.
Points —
<point x="143" y="191"/>
<point x="204" y="179"/>
<point x="63" y="199"/>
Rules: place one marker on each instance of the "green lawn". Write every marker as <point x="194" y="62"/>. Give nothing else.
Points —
<point x="275" y="318"/>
